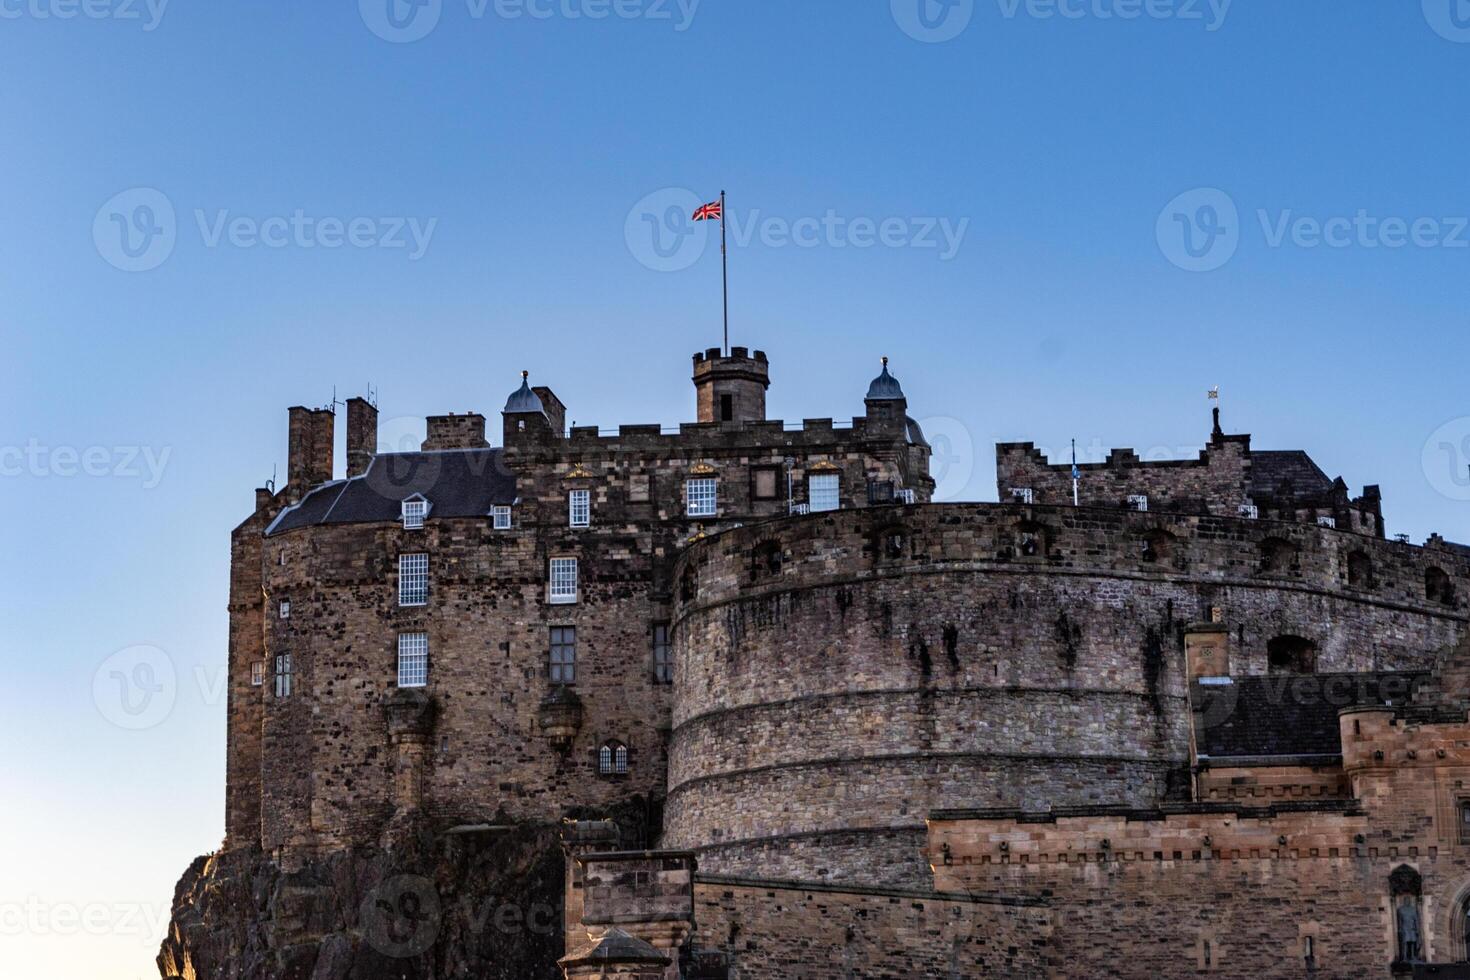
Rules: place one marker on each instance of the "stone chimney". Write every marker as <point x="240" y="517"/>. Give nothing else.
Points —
<point x="362" y="435"/>
<point x="309" y="453"/>
<point x="456" y="432"/>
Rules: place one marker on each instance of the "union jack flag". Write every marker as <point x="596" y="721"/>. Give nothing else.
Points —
<point x="713" y="211"/>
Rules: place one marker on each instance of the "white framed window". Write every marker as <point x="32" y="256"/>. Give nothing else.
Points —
<point x="283" y="675"/>
<point x="612" y="758"/>
<point x="562" y="581"/>
<point x="1327" y="522"/>
<point x="1023" y="495"/>
<point x="257" y="674"/>
<point x="1138" y="501"/>
<point x="285" y="609"/>
<point x="414" y="511"/>
<point x="562" y="662"/>
<point x="823" y="491"/>
<point x="500" y="517"/>
<point x="699" y="496"/>
<point x="579" y="508"/>
<point x="413" y="580"/>
<point x="413" y="659"/>
<point x="1250" y="512"/>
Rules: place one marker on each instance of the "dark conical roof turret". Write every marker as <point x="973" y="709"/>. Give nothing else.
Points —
<point x="885" y="387"/>
<point x="523" y="399"/>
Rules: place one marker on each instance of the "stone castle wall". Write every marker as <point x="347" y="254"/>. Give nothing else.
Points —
<point x="839" y="675"/>
<point x="318" y="769"/>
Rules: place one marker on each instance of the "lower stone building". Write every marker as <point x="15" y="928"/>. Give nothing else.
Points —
<point x="738" y="699"/>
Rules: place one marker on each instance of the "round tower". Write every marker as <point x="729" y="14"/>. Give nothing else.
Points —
<point x="733" y="388"/>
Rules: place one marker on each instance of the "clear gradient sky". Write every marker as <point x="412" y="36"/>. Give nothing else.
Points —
<point x="999" y="212"/>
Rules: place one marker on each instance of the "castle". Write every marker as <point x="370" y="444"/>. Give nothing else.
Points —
<point x="789" y="718"/>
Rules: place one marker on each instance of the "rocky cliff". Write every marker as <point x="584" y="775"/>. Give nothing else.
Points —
<point x="480" y="902"/>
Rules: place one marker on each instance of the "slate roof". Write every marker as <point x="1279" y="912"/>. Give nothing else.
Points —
<point x="456" y="483"/>
<point x="616" y="946"/>
<point x="1273" y="471"/>
<point x="1287" y="714"/>
<point x="885" y="387"/>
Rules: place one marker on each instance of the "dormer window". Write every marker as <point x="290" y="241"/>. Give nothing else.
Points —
<point x="415" y="509"/>
<point x="500" y="517"/>
<point x="579" y="508"/>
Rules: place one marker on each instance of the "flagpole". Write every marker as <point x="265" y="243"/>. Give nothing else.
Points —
<point x="725" y="272"/>
<point x="1074" y="473"/>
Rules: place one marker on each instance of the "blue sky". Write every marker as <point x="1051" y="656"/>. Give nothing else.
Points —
<point x="1060" y="153"/>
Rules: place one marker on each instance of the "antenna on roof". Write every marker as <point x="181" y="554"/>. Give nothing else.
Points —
<point x="271" y="483"/>
<point x="372" y="395"/>
<point x="332" y="405"/>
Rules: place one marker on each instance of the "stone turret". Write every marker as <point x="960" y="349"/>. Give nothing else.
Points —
<point x="733" y="388"/>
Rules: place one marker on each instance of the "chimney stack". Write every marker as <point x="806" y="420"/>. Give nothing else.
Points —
<point x="362" y="435"/>
<point x="309" y="454"/>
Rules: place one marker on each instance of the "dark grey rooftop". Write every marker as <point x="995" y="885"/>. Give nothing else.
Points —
<point x="1288" y="714"/>
<point x="523" y="399"/>
<point x="885" y="387"/>
<point x="1278" y="474"/>
<point x="455" y="482"/>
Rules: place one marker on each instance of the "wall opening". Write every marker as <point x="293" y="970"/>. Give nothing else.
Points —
<point x="1288" y="654"/>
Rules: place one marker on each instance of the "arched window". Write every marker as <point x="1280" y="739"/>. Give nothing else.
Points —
<point x="612" y="758"/>
<point x="1289" y="654"/>
<point x="1360" y="570"/>
<point x="1438" y="587"/>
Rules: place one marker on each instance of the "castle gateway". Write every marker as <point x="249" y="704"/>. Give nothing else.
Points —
<point x="736" y="699"/>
